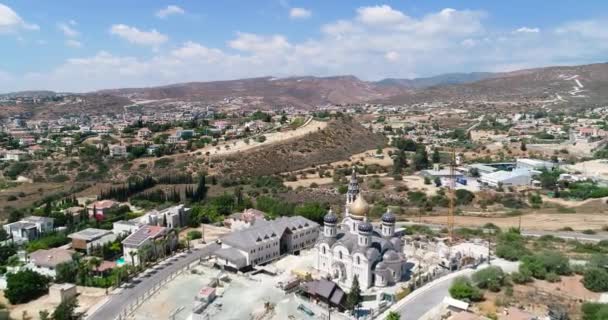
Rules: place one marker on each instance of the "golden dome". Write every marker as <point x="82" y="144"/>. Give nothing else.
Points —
<point x="359" y="207"/>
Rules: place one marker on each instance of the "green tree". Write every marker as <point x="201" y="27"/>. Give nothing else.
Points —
<point x="25" y="285"/>
<point x="66" y="310"/>
<point x="421" y="159"/>
<point x="313" y="211"/>
<point x="66" y="272"/>
<point x="354" y="295"/>
<point x="436" y="157"/>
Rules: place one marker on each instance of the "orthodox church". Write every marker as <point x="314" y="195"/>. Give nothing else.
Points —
<point x="353" y="248"/>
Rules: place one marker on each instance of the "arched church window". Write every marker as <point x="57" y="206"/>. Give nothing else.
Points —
<point x="340" y="254"/>
<point x="358" y="260"/>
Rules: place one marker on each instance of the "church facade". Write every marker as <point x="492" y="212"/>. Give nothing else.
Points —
<point x="352" y="247"/>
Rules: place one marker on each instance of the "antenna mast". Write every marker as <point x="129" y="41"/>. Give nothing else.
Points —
<point x="452" y="196"/>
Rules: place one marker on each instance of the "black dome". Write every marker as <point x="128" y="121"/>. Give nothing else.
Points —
<point x="330" y="217"/>
<point x="388" y="217"/>
<point x="365" y="226"/>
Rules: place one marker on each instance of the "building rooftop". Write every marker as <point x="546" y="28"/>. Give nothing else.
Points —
<point x="144" y="233"/>
<point x="264" y="230"/>
<point x="35" y="219"/>
<point x="89" y="234"/>
<point x="103" y="204"/>
<point x="50" y="258"/>
<point x="503" y="175"/>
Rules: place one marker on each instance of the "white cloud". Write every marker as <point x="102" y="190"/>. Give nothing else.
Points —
<point x="363" y="45"/>
<point x="299" y="13"/>
<point x="381" y="15"/>
<point x="593" y="29"/>
<point x="392" y="56"/>
<point x="259" y="44"/>
<point x="169" y="11"/>
<point x="67" y="29"/>
<point x="73" y="43"/>
<point x="10" y="21"/>
<point x="136" y="36"/>
<point x="527" y="30"/>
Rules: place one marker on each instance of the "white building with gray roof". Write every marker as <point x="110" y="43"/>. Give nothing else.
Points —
<point x="266" y="241"/>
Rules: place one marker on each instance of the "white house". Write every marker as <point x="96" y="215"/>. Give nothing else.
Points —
<point x="172" y="217"/>
<point x="29" y="228"/>
<point x="139" y="239"/>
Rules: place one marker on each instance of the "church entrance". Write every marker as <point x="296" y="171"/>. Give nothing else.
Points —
<point x="285" y="242"/>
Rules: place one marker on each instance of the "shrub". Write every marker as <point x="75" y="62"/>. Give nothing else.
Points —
<point x="547" y="262"/>
<point x="523" y="276"/>
<point x="464" y="197"/>
<point x="552" y="277"/>
<point x="491" y="278"/>
<point x="463" y="289"/>
<point x="596" y="279"/>
<point x="194" y="234"/>
<point x="595" y="311"/>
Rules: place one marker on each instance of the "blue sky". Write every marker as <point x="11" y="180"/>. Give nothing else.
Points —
<point x="80" y="45"/>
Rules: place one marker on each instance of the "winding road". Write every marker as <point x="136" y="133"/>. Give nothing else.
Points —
<point x="124" y="297"/>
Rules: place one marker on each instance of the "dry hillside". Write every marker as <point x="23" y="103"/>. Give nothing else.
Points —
<point x="338" y="141"/>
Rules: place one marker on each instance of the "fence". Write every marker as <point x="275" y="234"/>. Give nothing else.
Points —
<point x="131" y="307"/>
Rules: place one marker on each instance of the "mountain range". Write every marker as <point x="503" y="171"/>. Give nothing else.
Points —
<point x="586" y="84"/>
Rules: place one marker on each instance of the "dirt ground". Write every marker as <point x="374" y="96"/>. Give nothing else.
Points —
<point x="536" y="221"/>
<point x="87" y="297"/>
<point x="593" y="167"/>
<point x="33" y="192"/>
<point x="210" y="233"/>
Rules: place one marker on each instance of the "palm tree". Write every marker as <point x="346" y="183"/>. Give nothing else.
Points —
<point x="174" y="236"/>
<point x="133" y="254"/>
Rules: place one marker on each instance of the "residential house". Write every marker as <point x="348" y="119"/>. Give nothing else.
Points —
<point x="125" y="227"/>
<point x="118" y="150"/>
<point x="46" y="261"/>
<point x="90" y="237"/>
<point x="173" y="217"/>
<point x="144" y="236"/>
<point x="67" y="141"/>
<point x="29" y="228"/>
<point x="14" y="155"/>
<point x="98" y="209"/>
<point x="144" y="133"/>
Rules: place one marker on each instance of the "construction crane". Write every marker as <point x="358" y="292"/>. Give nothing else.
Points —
<point x="452" y="196"/>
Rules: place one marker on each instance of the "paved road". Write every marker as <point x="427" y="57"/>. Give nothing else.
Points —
<point x="424" y="299"/>
<point x="118" y="301"/>
<point x="568" y="235"/>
